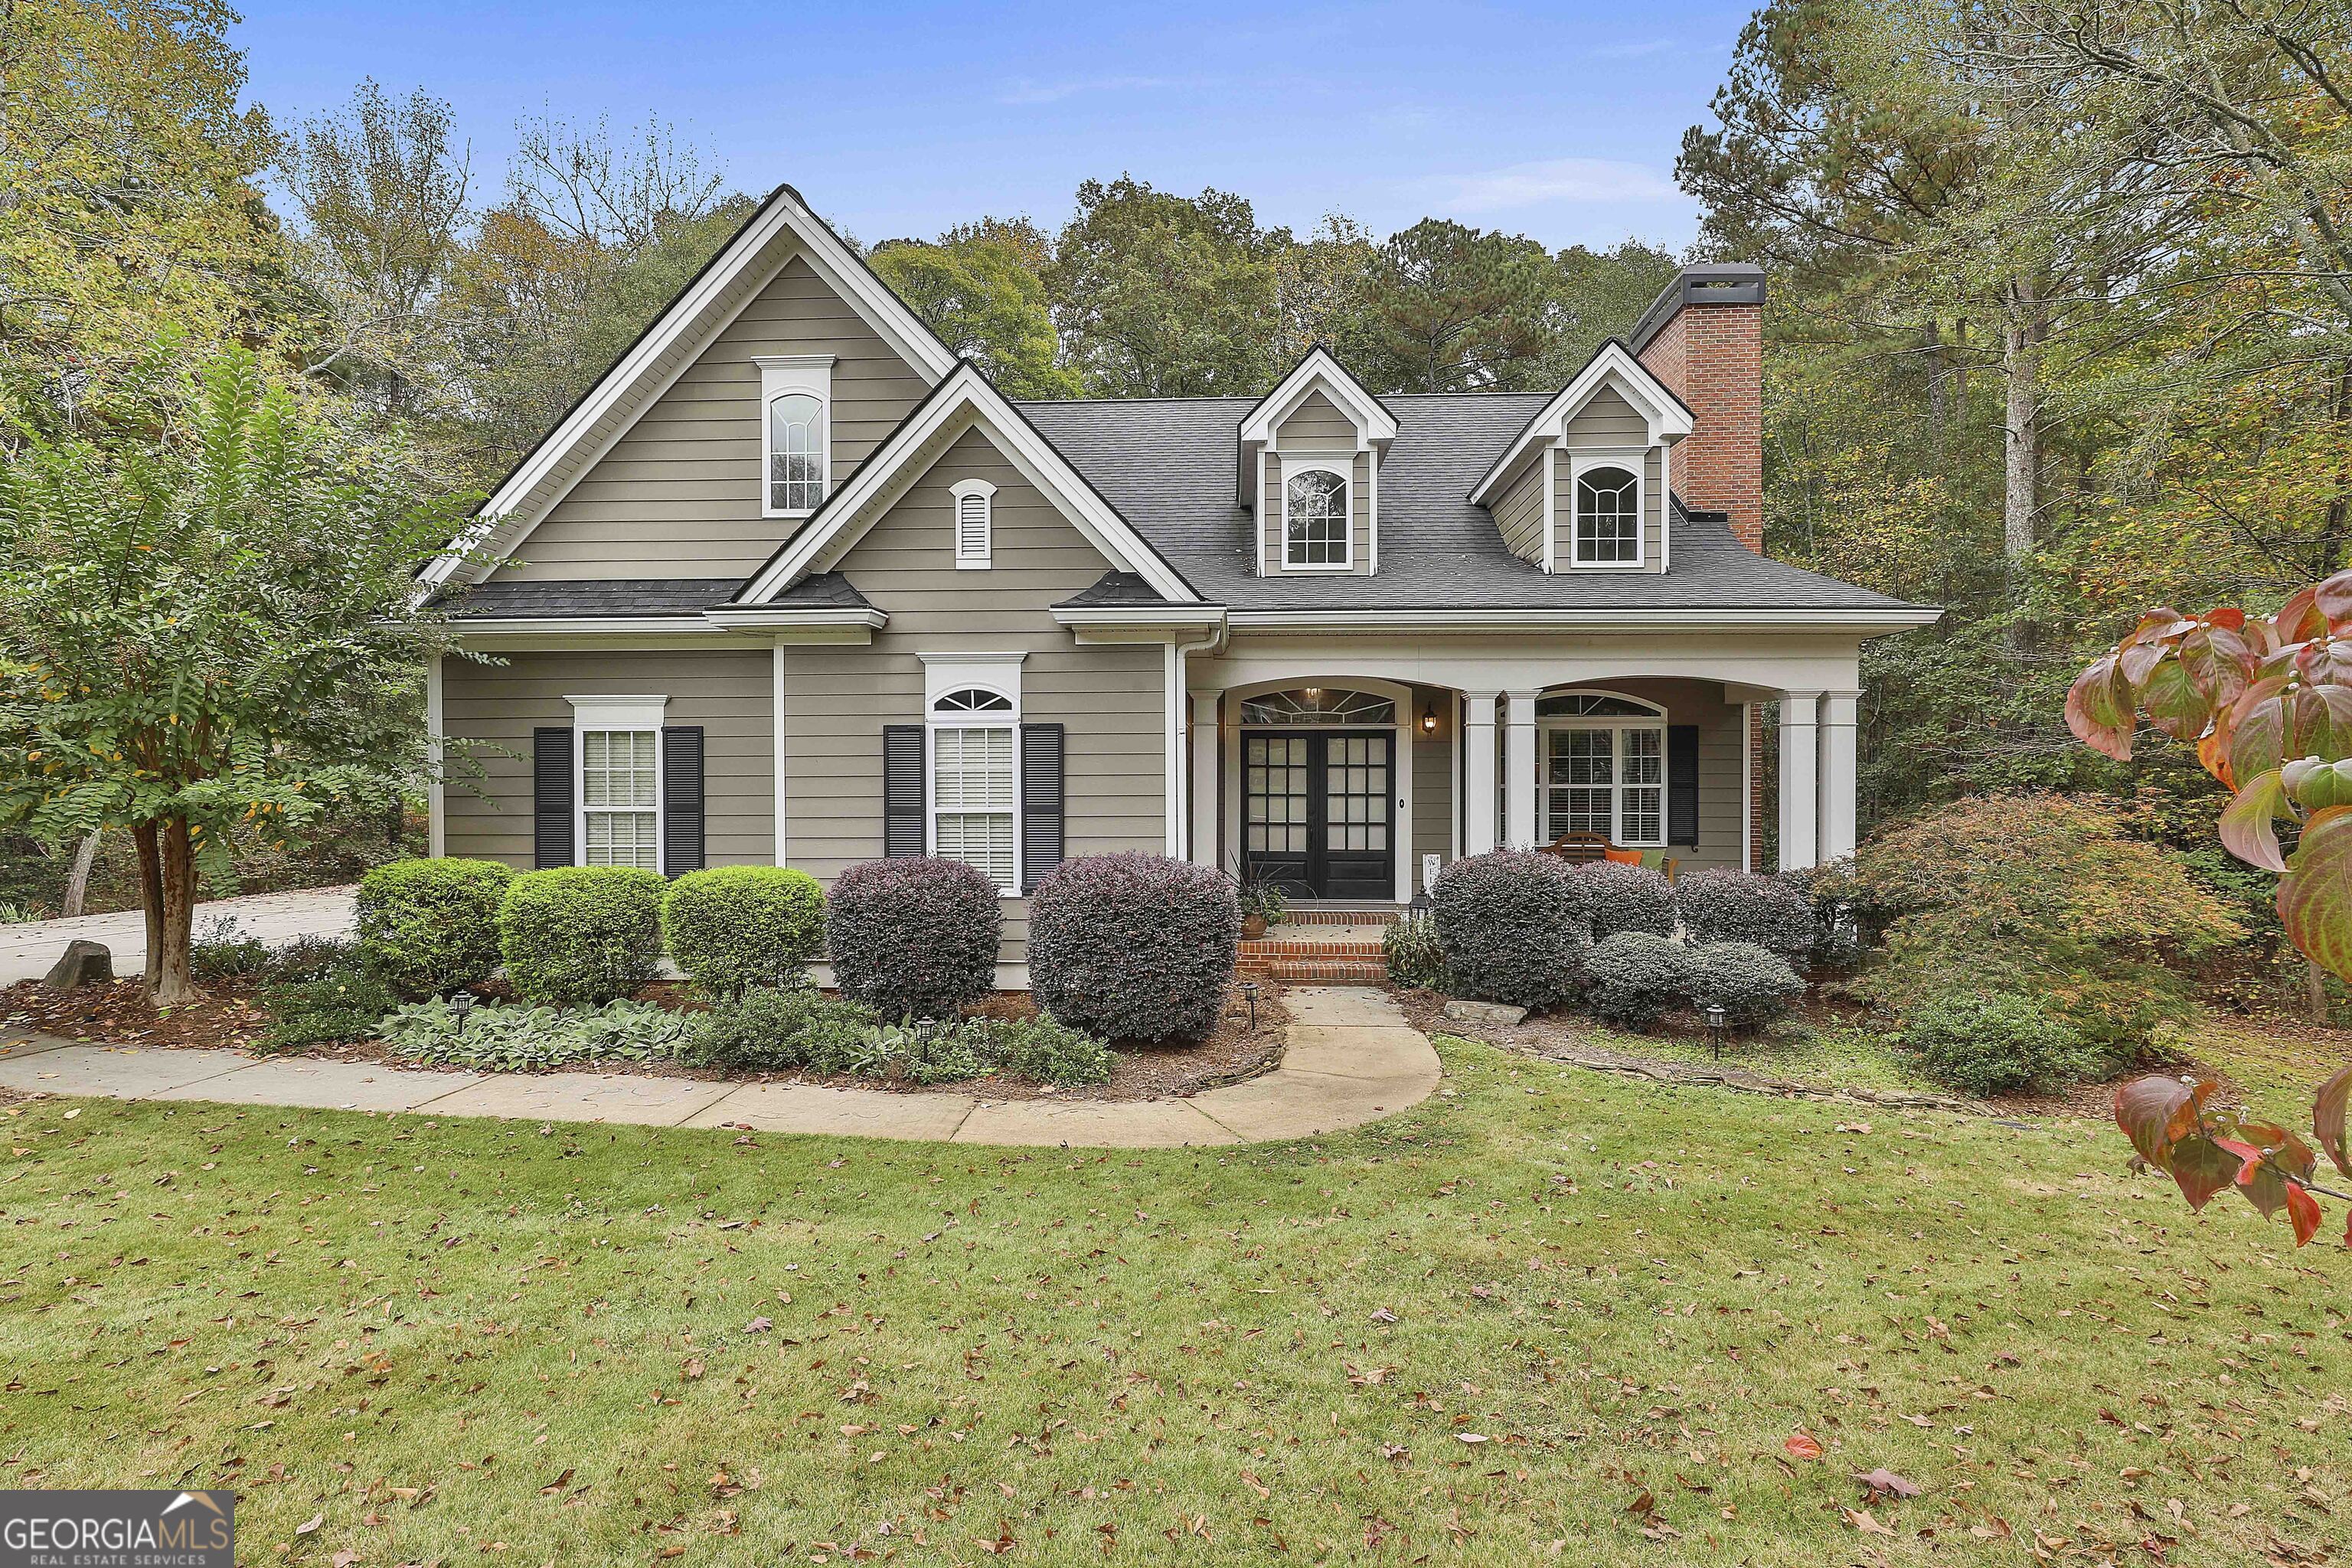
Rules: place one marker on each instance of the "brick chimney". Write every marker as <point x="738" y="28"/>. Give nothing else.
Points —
<point x="1704" y="337"/>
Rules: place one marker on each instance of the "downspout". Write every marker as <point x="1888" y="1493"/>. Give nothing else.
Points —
<point x="1179" y="775"/>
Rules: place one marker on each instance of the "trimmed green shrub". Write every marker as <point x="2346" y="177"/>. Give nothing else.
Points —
<point x="777" y="1028"/>
<point x="1044" y="1051"/>
<point x="1411" y="949"/>
<point x="315" y="958"/>
<point x="342" y="1002"/>
<point x="430" y="926"/>
<point x="1722" y="904"/>
<point x="1134" y="947"/>
<point x="1627" y="898"/>
<point x="577" y="934"/>
<point x="1514" y="927"/>
<point x="1752" y="984"/>
<point x="534" y="1039"/>
<point x="1634" y="978"/>
<point x="734" y="926"/>
<point x="1996" y="1043"/>
<point x="913" y="937"/>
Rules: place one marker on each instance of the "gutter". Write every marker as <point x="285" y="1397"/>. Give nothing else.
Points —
<point x="1697" y="618"/>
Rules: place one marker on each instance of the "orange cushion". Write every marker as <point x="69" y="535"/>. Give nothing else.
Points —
<point x="1623" y="857"/>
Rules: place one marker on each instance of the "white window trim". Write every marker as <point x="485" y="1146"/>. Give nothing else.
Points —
<point x="637" y="714"/>
<point x="948" y="672"/>
<point x="1655" y="721"/>
<point x="1340" y="466"/>
<point x="780" y="375"/>
<point x="961" y="489"/>
<point x="1633" y="460"/>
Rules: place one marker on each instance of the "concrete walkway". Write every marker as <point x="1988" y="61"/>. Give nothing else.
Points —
<point x="27" y="950"/>
<point x="1350" y="1058"/>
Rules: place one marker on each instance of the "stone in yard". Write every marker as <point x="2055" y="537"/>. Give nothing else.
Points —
<point x="85" y="963"/>
<point x="1501" y="1013"/>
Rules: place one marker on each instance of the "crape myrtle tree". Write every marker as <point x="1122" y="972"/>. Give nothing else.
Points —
<point x="208" y="622"/>
<point x="2267" y="702"/>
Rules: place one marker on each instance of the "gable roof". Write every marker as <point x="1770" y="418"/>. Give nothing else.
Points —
<point x="1166" y="464"/>
<point x="669" y="345"/>
<point x="844" y="515"/>
<point x="1611" y="365"/>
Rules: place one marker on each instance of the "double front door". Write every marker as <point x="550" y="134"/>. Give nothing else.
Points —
<point x="1319" y="810"/>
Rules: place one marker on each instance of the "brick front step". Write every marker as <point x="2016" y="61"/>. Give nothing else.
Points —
<point x="1318" y="972"/>
<point x="1308" y="947"/>
<point x="1324" y="917"/>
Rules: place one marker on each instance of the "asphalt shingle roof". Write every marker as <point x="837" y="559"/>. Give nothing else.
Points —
<point x="1167" y="464"/>
<point x="522" y="599"/>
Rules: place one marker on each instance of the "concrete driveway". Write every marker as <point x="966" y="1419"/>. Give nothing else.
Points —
<point x="28" y="951"/>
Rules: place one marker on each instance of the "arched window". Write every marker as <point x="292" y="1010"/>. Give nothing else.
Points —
<point x="796" y="453"/>
<point x="975" y="782"/>
<point x="1608" y="516"/>
<point x="1315" y="531"/>
<point x="1604" y="766"/>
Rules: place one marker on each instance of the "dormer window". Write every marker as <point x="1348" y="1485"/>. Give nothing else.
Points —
<point x="1315" y="528"/>
<point x="975" y="524"/>
<point x="796" y="447"/>
<point x="1608" y="525"/>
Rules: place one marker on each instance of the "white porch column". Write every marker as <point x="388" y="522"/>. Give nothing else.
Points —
<point x="1800" y="780"/>
<point x="1837" y="774"/>
<point x="1477" y="775"/>
<point x="1519" y="769"/>
<point x="1204" y="846"/>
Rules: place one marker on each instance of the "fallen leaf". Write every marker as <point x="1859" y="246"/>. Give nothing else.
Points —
<point x="309" y="1524"/>
<point x="758" y="1326"/>
<point x="1884" y="1482"/>
<point x="1801" y="1445"/>
<point x="1860" y="1518"/>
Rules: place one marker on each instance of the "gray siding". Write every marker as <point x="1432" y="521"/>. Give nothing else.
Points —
<point x="1518" y="511"/>
<point x="1608" y="420"/>
<point x="1316" y="425"/>
<point x="729" y="693"/>
<point x="679" y="494"/>
<point x="838" y="698"/>
<point x="1433" y="779"/>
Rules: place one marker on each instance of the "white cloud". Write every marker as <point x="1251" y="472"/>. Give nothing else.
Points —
<point x="1554" y="180"/>
<point x="1026" y="91"/>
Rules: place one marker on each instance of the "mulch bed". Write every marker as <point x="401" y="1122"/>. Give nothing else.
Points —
<point x="119" y="1014"/>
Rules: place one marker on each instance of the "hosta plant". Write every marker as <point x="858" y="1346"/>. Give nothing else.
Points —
<point x="2267" y="702"/>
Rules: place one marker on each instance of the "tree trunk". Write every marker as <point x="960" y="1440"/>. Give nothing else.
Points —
<point x="77" y="880"/>
<point x="1940" y="405"/>
<point x="2021" y="353"/>
<point x="151" y="898"/>
<point x="2315" y="994"/>
<point x="173" y="986"/>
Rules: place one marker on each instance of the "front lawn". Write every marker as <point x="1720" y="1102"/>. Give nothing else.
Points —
<point x="1547" y="1312"/>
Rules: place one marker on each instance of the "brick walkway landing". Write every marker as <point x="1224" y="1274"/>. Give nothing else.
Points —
<point x="1321" y="947"/>
<point x="1349" y="1058"/>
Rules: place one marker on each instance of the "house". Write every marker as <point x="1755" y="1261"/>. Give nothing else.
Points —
<point x="792" y="583"/>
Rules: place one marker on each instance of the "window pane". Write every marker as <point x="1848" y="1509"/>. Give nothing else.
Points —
<point x="795" y="453"/>
<point x="621" y="838"/>
<point x="1642" y="822"/>
<point x="973" y="770"/>
<point x="1317" y="527"/>
<point x="983" y="840"/>
<point x="1608" y="516"/>
<point x="1645" y="756"/>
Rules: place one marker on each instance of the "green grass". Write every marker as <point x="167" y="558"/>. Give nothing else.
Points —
<point x="1838" y="1055"/>
<point x="485" y="1343"/>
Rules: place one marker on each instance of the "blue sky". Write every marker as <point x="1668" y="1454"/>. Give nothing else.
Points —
<point x="1559" y="121"/>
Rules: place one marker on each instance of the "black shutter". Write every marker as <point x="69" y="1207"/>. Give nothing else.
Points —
<point x="681" y="763"/>
<point x="1040" y="803"/>
<point x="551" y="776"/>
<point x="1682" y="783"/>
<point x="902" y="789"/>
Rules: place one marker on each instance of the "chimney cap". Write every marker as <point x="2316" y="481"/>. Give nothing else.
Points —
<point x="1706" y="283"/>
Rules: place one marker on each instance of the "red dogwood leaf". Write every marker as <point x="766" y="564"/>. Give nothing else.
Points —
<point x="2249" y="824"/>
<point x="2200" y="1167"/>
<point x="2144" y="1110"/>
<point x="2100" y="709"/>
<point x="2314" y="897"/>
<point x="2302" y="1213"/>
<point x="2327" y="1118"/>
<point x="1802" y="1445"/>
<point x="2333" y="597"/>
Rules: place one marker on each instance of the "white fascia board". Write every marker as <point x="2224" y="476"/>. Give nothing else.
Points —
<point x="846" y="516"/>
<point x="782" y="618"/>
<point x="1612" y="366"/>
<point x="1170" y="617"/>
<point x="1373" y="423"/>
<point x="828" y="256"/>
<point x="537" y="625"/>
<point x="1684" y="620"/>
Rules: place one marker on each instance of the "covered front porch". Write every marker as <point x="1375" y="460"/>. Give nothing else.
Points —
<point x="1352" y="778"/>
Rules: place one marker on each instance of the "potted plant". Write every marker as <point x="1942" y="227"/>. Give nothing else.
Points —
<point x="1261" y="903"/>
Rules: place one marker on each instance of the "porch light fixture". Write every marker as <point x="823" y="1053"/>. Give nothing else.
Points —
<point x="1429" y="719"/>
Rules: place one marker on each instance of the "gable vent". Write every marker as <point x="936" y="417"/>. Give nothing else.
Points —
<point x="975" y="504"/>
